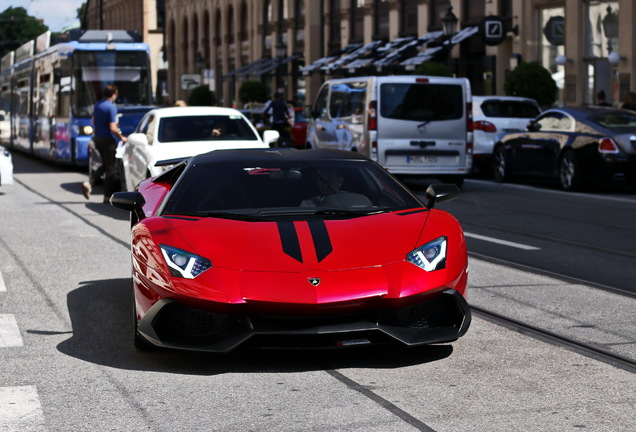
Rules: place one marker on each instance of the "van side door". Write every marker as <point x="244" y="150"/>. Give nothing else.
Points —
<point x="320" y="130"/>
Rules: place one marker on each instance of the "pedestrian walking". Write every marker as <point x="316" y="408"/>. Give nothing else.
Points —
<point x="105" y="140"/>
<point x="281" y="120"/>
<point x="601" y="99"/>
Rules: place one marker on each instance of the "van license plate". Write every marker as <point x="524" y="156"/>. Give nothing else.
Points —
<point x="421" y="159"/>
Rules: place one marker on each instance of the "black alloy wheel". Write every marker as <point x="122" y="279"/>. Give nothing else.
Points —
<point x="499" y="165"/>
<point x="571" y="177"/>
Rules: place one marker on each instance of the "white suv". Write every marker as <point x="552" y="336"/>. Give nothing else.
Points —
<point x="494" y="116"/>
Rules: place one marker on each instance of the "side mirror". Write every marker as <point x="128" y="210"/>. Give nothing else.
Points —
<point x="439" y="193"/>
<point x="532" y="126"/>
<point x="270" y="136"/>
<point x="129" y="201"/>
<point x="138" y="139"/>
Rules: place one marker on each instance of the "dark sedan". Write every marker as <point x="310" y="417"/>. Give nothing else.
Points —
<point x="576" y="146"/>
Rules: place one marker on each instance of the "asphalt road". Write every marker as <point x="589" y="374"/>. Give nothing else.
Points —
<point x="68" y="363"/>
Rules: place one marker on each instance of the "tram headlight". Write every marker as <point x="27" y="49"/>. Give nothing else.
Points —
<point x="84" y="130"/>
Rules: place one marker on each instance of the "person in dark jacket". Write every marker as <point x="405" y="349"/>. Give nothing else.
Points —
<point x="280" y="118"/>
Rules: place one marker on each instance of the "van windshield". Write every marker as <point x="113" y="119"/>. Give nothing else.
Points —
<point x="421" y="102"/>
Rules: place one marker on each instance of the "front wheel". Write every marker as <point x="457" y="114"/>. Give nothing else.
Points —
<point x="571" y="177"/>
<point x="122" y="176"/>
<point x="499" y="165"/>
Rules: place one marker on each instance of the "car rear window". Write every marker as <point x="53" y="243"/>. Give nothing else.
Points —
<point x="499" y="108"/>
<point x="421" y="102"/>
<point x="202" y="128"/>
<point x="616" y="120"/>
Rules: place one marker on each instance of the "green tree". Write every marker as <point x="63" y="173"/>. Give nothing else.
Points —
<point x="201" y="96"/>
<point x="253" y="91"/>
<point x="531" y="80"/>
<point x="431" y="68"/>
<point x="17" y="27"/>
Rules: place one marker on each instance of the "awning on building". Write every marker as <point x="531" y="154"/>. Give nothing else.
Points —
<point x="273" y="64"/>
<point x="397" y="55"/>
<point x="245" y="70"/>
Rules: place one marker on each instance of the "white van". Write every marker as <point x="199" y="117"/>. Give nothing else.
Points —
<point x="410" y="124"/>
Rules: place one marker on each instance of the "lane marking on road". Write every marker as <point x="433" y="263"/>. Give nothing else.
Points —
<point x="9" y="332"/>
<point x="501" y="242"/>
<point x="20" y="409"/>
<point x="3" y="287"/>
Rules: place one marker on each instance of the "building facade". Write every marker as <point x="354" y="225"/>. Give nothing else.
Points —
<point x="294" y="45"/>
<point x="143" y="16"/>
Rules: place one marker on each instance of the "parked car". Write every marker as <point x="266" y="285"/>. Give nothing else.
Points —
<point x="6" y="167"/>
<point x="411" y="125"/>
<point x="575" y="146"/>
<point x="288" y="249"/>
<point x="494" y="116"/>
<point x="299" y="128"/>
<point x="180" y="132"/>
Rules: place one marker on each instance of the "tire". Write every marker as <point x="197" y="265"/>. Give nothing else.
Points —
<point x="571" y="177"/>
<point x="500" y="169"/>
<point x="140" y="343"/>
<point x="122" y="176"/>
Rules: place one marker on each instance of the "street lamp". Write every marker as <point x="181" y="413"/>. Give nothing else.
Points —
<point x="449" y="22"/>
<point x="449" y="25"/>
<point x="281" y="51"/>
<point x="610" y="27"/>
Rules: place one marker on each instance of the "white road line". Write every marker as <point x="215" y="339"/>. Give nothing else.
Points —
<point x="20" y="410"/>
<point x="3" y="287"/>
<point x="501" y="242"/>
<point x="9" y="332"/>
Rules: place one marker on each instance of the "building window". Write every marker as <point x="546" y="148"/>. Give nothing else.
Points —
<point x="381" y="20"/>
<point x="408" y="18"/>
<point x="244" y="24"/>
<point x="217" y="29"/>
<point x="334" y="26"/>
<point x="357" y="21"/>
<point x="437" y="10"/>
<point x="230" y="25"/>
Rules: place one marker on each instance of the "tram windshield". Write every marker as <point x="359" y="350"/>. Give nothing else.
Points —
<point x="93" y="70"/>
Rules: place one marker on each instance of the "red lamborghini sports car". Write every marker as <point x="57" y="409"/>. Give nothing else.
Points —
<point x="284" y="248"/>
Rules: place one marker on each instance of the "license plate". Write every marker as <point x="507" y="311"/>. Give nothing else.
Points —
<point x="421" y="159"/>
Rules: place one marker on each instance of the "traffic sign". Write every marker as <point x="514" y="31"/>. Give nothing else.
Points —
<point x="189" y="81"/>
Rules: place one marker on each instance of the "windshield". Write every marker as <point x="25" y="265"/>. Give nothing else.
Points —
<point x="93" y="70"/>
<point x="205" y="128"/>
<point x="288" y="188"/>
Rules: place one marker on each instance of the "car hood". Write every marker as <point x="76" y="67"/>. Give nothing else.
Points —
<point x="296" y="246"/>
<point x="176" y="150"/>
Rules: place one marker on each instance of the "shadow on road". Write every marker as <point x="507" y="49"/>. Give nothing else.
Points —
<point x="101" y="317"/>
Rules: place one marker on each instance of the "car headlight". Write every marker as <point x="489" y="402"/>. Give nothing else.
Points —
<point x="184" y="264"/>
<point x="431" y="256"/>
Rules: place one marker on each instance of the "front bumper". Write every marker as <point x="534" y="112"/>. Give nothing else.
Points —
<point x="421" y="320"/>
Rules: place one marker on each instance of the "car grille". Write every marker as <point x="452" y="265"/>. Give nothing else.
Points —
<point x="176" y="322"/>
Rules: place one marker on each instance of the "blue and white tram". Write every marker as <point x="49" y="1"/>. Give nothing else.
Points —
<point x="54" y="88"/>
